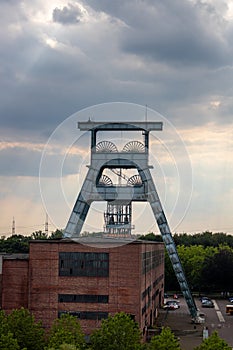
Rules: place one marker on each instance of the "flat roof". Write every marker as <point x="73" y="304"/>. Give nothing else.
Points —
<point x="97" y="240"/>
<point x="15" y="256"/>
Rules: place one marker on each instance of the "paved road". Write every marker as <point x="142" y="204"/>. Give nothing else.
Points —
<point x="191" y="335"/>
<point x="217" y="319"/>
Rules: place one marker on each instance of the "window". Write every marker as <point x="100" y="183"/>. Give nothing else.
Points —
<point x="82" y="298"/>
<point x="84" y="264"/>
<point x="86" y="315"/>
<point x="151" y="259"/>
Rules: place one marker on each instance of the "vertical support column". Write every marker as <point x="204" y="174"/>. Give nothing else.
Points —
<point x="146" y="141"/>
<point x="93" y="139"/>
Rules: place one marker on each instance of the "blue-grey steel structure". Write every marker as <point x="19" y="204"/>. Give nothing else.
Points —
<point x="140" y="188"/>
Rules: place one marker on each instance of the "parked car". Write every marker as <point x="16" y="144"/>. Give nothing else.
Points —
<point x="231" y="299"/>
<point x="204" y="298"/>
<point x="171" y="305"/>
<point x="207" y="303"/>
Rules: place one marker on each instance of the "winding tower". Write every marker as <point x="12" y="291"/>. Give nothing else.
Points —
<point x="106" y="159"/>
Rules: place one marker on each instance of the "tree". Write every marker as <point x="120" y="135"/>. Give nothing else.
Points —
<point x="118" y="332"/>
<point x="56" y="234"/>
<point x="214" y="342"/>
<point x="217" y="269"/>
<point x="25" y="330"/>
<point x="65" y="347"/>
<point x="192" y="259"/>
<point x="39" y="235"/>
<point x="206" y="239"/>
<point x="66" y="330"/>
<point x="15" y="244"/>
<point x="151" y="237"/>
<point x="165" y="340"/>
<point x="171" y="282"/>
<point x="7" y="341"/>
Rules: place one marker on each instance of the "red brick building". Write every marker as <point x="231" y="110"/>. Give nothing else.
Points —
<point x="88" y="281"/>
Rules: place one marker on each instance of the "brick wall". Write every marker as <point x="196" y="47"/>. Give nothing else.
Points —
<point x="124" y="285"/>
<point x="14" y="284"/>
<point x="130" y="286"/>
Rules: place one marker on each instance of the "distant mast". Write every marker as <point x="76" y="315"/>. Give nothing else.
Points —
<point x="46" y="224"/>
<point x="13" y="226"/>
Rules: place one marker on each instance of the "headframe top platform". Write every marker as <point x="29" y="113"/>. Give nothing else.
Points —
<point x="111" y="126"/>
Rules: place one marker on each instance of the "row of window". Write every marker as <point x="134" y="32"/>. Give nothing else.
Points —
<point x="155" y="294"/>
<point x="145" y="292"/>
<point x="93" y="264"/>
<point x="152" y="259"/>
<point x="88" y="264"/>
<point x="148" y="289"/>
<point x="82" y="298"/>
<point x="160" y="278"/>
<point x="147" y="305"/>
<point x="145" y="308"/>
<point x="85" y="315"/>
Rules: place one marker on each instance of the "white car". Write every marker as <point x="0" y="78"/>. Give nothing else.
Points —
<point x="171" y="305"/>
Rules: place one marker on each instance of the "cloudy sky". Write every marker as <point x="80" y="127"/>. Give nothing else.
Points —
<point x="64" y="61"/>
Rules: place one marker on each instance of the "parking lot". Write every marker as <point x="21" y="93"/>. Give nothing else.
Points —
<point x="191" y="335"/>
<point x="217" y="319"/>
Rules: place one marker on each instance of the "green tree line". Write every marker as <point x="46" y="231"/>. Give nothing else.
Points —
<point x="206" y="239"/>
<point x="20" y="331"/>
<point x="20" y="243"/>
<point x="207" y="260"/>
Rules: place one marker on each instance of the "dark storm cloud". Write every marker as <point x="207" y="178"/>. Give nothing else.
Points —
<point x="178" y="46"/>
<point x="20" y="161"/>
<point x="162" y="54"/>
<point x="175" y="32"/>
<point x="40" y="92"/>
<point x="67" y="15"/>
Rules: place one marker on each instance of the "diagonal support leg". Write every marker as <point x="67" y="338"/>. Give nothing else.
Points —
<point x="160" y="217"/>
<point x="81" y="207"/>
